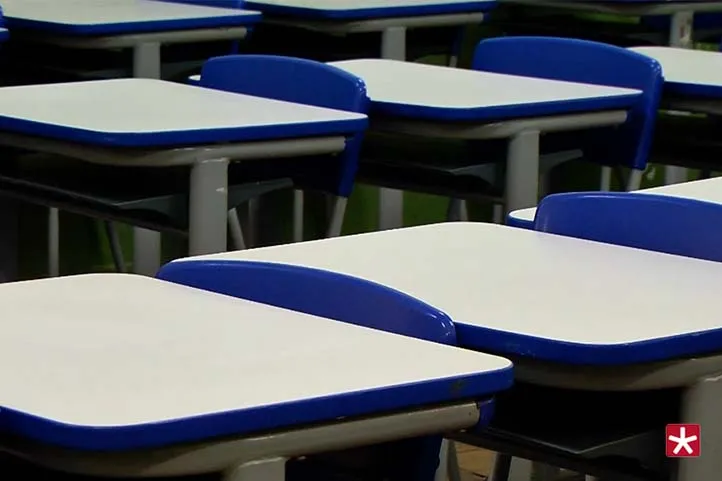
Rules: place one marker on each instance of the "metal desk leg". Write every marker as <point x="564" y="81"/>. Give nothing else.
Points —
<point x="208" y="209"/>
<point x="264" y="470"/>
<point x="522" y="171"/>
<point x="391" y="201"/>
<point x="680" y="35"/>
<point x="146" y="243"/>
<point x="701" y="406"/>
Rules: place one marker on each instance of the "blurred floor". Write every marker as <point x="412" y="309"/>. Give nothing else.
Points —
<point x="474" y="463"/>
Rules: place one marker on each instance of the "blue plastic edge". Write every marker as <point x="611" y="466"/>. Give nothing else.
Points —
<point x="662" y="349"/>
<point x="186" y="137"/>
<point x="220" y="276"/>
<point x="519" y="223"/>
<point x="242" y="19"/>
<point x="693" y="90"/>
<point x="247" y="421"/>
<point x="374" y="13"/>
<point x="504" y="112"/>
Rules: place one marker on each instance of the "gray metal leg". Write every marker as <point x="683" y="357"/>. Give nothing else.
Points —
<point x="298" y="207"/>
<point x="700" y="405"/>
<point x="338" y="213"/>
<point x="522" y="171"/>
<point x="452" y="462"/>
<point x="146" y="60"/>
<point x="146" y="251"/>
<point x="53" y="242"/>
<point x="501" y="468"/>
<point x="457" y="211"/>
<point x="235" y="229"/>
<point x="605" y="184"/>
<point x="208" y="207"/>
<point x="391" y="201"/>
<point x="680" y="35"/>
<point x="116" y="250"/>
<point x="263" y="470"/>
<point x="254" y="210"/>
<point x="146" y="243"/>
<point x="635" y="180"/>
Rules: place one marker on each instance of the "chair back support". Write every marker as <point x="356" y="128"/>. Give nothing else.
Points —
<point x="658" y="223"/>
<point x="317" y="292"/>
<point x="300" y="81"/>
<point x="589" y="62"/>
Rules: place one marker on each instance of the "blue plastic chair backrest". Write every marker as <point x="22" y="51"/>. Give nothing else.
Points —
<point x="590" y="62"/>
<point x="658" y="223"/>
<point x="294" y="80"/>
<point x="317" y="292"/>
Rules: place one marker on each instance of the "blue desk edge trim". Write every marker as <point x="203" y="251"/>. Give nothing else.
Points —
<point x="121" y="28"/>
<point x="655" y="350"/>
<point x="255" y="420"/>
<point x="374" y="13"/>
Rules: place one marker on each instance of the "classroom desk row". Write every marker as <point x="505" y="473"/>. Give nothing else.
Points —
<point x="207" y="125"/>
<point x="174" y="380"/>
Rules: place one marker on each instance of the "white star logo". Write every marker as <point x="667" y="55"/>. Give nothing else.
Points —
<point x="683" y="441"/>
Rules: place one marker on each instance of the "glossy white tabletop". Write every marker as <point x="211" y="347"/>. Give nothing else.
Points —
<point x="709" y="190"/>
<point x="91" y="12"/>
<point x="416" y="84"/>
<point x="524" y="282"/>
<point x="686" y="66"/>
<point x="115" y="350"/>
<point x="149" y="107"/>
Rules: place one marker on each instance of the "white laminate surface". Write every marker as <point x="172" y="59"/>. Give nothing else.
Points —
<point x="101" y="12"/>
<point x="407" y="83"/>
<point x="119" y="350"/>
<point x="708" y="190"/>
<point x="686" y="66"/>
<point x="524" y="282"/>
<point x="149" y="106"/>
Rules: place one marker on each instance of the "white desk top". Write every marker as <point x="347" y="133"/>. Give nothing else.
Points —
<point x="399" y="85"/>
<point x="370" y="8"/>
<point x="539" y="288"/>
<point x="708" y="190"/>
<point x="137" y="112"/>
<point x="80" y="14"/>
<point x="692" y="68"/>
<point x="113" y="350"/>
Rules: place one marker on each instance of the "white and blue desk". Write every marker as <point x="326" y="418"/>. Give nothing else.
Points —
<point x="707" y="190"/>
<point x="681" y="13"/>
<point x="174" y="381"/>
<point x="143" y="25"/>
<point x="471" y="105"/>
<point x="153" y="123"/>
<point x="571" y="313"/>
<point x="391" y="18"/>
<point x="692" y="78"/>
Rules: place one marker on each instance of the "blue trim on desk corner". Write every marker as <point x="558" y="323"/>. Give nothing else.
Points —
<point x="655" y="350"/>
<point x="474" y="6"/>
<point x="518" y="222"/>
<point x="187" y="137"/>
<point x="255" y="420"/>
<point x="242" y="19"/>
<point x="693" y="90"/>
<point x="504" y="112"/>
